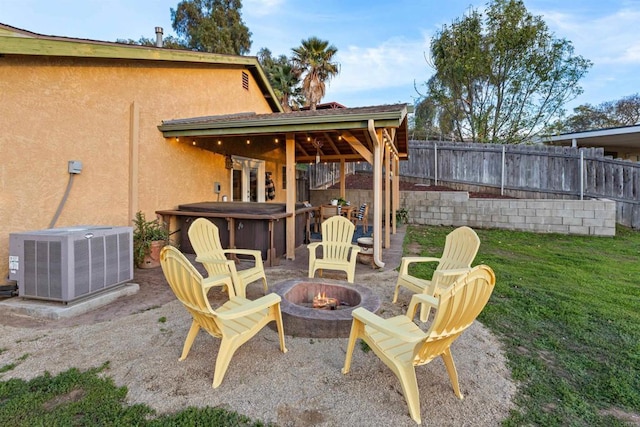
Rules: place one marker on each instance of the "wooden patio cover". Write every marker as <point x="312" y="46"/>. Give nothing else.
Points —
<point x="377" y="135"/>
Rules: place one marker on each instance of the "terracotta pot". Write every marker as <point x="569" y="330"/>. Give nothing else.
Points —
<point x="152" y="259"/>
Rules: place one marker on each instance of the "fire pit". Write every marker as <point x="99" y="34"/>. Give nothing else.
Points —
<point x="334" y="301"/>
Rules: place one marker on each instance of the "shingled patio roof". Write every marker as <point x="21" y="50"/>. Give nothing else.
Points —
<point x="341" y="133"/>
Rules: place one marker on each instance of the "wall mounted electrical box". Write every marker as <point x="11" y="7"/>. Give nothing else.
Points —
<point x="216" y="187"/>
<point x="75" y="166"/>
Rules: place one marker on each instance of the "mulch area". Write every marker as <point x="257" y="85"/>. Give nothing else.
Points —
<point x="364" y="181"/>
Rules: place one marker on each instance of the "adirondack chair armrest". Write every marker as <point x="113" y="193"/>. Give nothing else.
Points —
<point x="453" y="271"/>
<point x="251" y="307"/>
<point x="231" y="265"/>
<point x="355" y="249"/>
<point x="217" y="280"/>
<point x="252" y="252"/>
<point x="417" y="300"/>
<point x="376" y="322"/>
<point x="313" y="245"/>
<point x="404" y="264"/>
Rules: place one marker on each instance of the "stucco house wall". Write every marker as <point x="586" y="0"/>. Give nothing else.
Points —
<point x="105" y="113"/>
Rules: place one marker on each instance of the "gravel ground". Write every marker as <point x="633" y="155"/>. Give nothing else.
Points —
<point x="303" y="387"/>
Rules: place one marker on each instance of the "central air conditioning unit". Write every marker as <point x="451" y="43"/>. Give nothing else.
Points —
<point x="65" y="264"/>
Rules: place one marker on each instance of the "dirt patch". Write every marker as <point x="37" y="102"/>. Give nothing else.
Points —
<point x="141" y="336"/>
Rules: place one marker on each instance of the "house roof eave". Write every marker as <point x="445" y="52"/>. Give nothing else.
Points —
<point x="15" y="41"/>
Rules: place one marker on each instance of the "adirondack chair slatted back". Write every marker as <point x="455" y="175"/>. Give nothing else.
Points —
<point x="186" y="284"/>
<point x="459" y="306"/>
<point x="338" y="253"/>
<point x="205" y="239"/>
<point x="460" y="249"/>
<point x="337" y="233"/>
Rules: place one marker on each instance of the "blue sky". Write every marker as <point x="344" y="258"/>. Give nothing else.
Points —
<point x="381" y="45"/>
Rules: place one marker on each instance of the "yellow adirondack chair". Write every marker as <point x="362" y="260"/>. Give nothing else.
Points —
<point x="402" y="345"/>
<point x="235" y="322"/>
<point x="205" y="239"/>
<point x="338" y="253"/>
<point x="460" y="249"/>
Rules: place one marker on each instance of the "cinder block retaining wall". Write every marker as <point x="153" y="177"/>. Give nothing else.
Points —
<point x="455" y="208"/>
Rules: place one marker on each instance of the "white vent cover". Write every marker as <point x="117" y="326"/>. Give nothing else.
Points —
<point x="64" y="264"/>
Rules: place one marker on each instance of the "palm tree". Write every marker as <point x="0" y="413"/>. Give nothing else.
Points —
<point x="313" y="59"/>
<point x="285" y="84"/>
<point x="284" y="80"/>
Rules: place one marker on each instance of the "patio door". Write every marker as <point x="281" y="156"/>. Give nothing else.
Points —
<point x="247" y="179"/>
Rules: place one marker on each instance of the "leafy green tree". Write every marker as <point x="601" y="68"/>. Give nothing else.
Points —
<point x="430" y="122"/>
<point x="627" y="110"/>
<point x="212" y="26"/>
<point x="623" y="112"/>
<point x="314" y="59"/>
<point x="504" y="77"/>
<point x="283" y="78"/>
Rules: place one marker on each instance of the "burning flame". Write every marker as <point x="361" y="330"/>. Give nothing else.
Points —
<point x="322" y="301"/>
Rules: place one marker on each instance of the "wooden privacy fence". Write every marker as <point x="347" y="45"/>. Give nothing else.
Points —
<point x="528" y="171"/>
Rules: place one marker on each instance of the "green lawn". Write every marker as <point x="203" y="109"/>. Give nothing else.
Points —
<point x="566" y="308"/>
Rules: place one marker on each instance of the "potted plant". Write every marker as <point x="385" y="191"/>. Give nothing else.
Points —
<point x="149" y="237"/>
<point x="402" y="216"/>
<point x="342" y="202"/>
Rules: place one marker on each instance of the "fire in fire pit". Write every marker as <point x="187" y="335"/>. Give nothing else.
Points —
<point x="333" y="320"/>
<point x="325" y="302"/>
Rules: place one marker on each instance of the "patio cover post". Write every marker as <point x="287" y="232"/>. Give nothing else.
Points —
<point x="343" y="179"/>
<point x="377" y="194"/>
<point x="387" y="194"/>
<point x="291" y="195"/>
<point x="395" y="165"/>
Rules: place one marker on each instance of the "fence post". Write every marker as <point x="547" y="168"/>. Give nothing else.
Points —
<point x="502" y="177"/>
<point x="435" y="163"/>
<point x="581" y="174"/>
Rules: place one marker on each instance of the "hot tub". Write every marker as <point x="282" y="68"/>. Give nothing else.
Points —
<point x="245" y="225"/>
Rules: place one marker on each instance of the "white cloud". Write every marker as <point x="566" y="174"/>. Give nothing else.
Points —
<point x="261" y="7"/>
<point x="612" y="39"/>
<point x="394" y="63"/>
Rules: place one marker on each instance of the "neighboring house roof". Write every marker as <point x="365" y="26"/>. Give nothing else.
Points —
<point x="625" y="136"/>
<point x="326" y="105"/>
<point x="342" y="132"/>
<point x="15" y="41"/>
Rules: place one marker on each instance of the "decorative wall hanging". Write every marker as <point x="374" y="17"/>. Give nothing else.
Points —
<point x="318" y="144"/>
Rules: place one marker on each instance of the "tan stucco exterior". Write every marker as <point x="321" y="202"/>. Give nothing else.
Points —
<point x="105" y="113"/>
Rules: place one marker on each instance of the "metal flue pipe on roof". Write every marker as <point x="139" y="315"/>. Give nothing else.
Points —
<point x="159" y="36"/>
